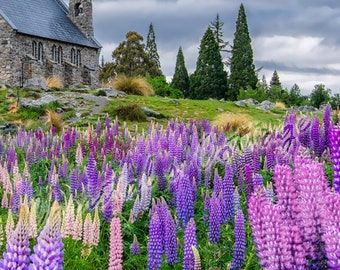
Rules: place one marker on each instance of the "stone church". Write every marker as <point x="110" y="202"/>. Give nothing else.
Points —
<point x="41" y="39"/>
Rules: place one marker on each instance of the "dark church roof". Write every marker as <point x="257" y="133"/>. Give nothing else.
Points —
<point x="43" y="18"/>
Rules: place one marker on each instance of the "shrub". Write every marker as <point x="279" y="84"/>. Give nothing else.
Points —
<point x="101" y="93"/>
<point x="162" y="88"/>
<point x="132" y="85"/>
<point x="131" y="112"/>
<point x="54" y="119"/>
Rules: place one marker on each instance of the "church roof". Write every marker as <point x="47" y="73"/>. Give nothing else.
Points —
<point x="43" y="18"/>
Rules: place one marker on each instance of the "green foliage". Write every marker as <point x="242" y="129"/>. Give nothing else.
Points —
<point x="209" y="79"/>
<point x="320" y="95"/>
<point x="180" y="79"/>
<point x="161" y="87"/>
<point x="258" y="94"/>
<point x="151" y="51"/>
<point x="107" y="72"/>
<point x="242" y="68"/>
<point x="216" y="27"/>
<point x="130" y="58"/>
<point x="131" y="112"/>
<point x="295" y="98"/>
<point x="100" y="93"/>
<point x="275" y="80"/>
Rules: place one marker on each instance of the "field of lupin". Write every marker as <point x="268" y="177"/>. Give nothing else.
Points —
<point x="181" y="196"/>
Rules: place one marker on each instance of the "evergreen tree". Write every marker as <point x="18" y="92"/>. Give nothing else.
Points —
<point x="209" y="79"/>
<point x="242" y="68"/>
<point x="275" y="80"/>
<point x="180" y="79"/>
<point x="130" y="58"/>
<point x="320" y="95"/>
<point x="151" y="51"/>
<point x="216" y="27"/>
<point x="295" y="97"/>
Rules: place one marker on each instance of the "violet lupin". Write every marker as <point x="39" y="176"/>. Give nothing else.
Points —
<point x="327" y="124"/>
<point x="155" y="246"/>
<point x="48" y="252"/>
<point x="240" y="241"/>
<point x="184" y="196"/>
<point x="170" y="244"/>
<point x="18" y="250"/>
<point x="189" y="241"/>
<point x="214" y="219"/>
<point x="93" y="183"/>
<point x="228" y="191"/>
<point x="135" y="247"/>
<point x="334" y="145"/>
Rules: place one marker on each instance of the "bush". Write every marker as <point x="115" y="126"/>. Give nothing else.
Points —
<point x="101" y="93"/>
<point x="54" y="82"/>
<point x="132" y="85"/>
<point x="162" y="88"/>
<point x="258" y="94"/>
<point x="131" y="112"/>
<point x="231" y="122"/>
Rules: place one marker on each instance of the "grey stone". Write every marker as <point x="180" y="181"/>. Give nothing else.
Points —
<point x="220" y="110"/>
<point x="112" y="92"/>
<point x="36" y="83"/>
<point x="266" y="105"/>
<point x="11" y="93"/>
<point x="150" y="112"/>
<point x="6" y="128"/>
<point x="222" y="100"/>
<point x="38" y="103"/>
<point x="306" y="108"/>
<point x="246" y="102"/>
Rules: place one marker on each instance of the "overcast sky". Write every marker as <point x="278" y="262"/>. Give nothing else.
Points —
<point x="298" y="38"/>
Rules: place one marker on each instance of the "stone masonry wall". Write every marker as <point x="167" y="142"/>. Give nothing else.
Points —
<point x="16" y="57"/>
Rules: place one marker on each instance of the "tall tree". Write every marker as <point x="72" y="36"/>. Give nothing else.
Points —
<point x="209" y="79"/>
<point x="151" y="51"/>
<point x="180" y="79"/>
<point x="216" y="27"/>
<point x="320" y="95"/>
<point x="242" y="68"/>
<point x="275" y="80"/>
<point x="130" y="57"/>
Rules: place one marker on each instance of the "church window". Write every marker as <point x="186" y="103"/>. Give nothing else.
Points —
<point x="78" y="63"/>
<point x="60" y="55"/>
<point x="40" y="51"/>
<point x="34" y="49"/>
<point x="73" y="56"/>
<point x="54" y="53"/>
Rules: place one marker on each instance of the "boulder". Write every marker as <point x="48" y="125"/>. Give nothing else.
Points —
<point x="36" y="83"/>
<point x="112" y="92"/>
<point x="150" y="112"/>
<point x="266" y="105"/>
<point x="38" y="103"/>
<point x="246" y="102"/>
<point x="306" y="108"/>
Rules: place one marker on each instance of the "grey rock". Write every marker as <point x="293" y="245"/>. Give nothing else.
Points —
<point x="150" y="112"/>
<point x="222" y="100"/>
<point x="246" y="102"/>
<point x="36" y="83"/>
<point x="266" y="105"/>
<point x="11" y="93"/>
<point x="33" y="94"/>
<point x="112" y="92"/>
<point x="6" y="128"/>
<point x="220" y="110"/>
<point x="306" y="108"/>
<point x="38" y="103"/>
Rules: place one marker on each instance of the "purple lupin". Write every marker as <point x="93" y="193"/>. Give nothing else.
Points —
<point x="189" y="241"/>
<point x="240" y="241"/>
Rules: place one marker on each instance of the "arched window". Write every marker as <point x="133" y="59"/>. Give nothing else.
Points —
<point x="54" y="53"/>
<point x="73" y="56"/>
<point x="78" y="63"/>
<point x="60" y="55"/>
<point x="34" y="49"/>
<point x="40" y="51"/>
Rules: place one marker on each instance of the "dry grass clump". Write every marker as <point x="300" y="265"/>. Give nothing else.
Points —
<point x="280" y="105"/>
<point x="239" y="123"/>
<point x="54" y="82"/>
<point x="132" y="85"/>
<point x="54" y="119"/>
<point x="131" y="112"/>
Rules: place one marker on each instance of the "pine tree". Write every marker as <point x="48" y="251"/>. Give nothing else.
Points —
<point x="242" y="68"/>
<point x="275" y="80"/>
<point x="180" y="79"/>
<point x="216" y="27"/>
<point x="209" y="79"/>
<point x="151" y="51"/>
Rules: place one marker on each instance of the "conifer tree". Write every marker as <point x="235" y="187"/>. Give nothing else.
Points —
<point x="275" y="80"/>
<point x="180" y="79"/>
<point x="242" y="68"/>
<point x="216" y="27"/>
<point x="151" y="51"/>
<point x="209" y="79"/>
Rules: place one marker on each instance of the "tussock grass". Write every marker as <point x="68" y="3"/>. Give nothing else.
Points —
<point x="131" y="112"/>
<point x="280" y="105"/>
<point x="54" y="119"/>
<point x="239" y="123"/>
<point x="132" y="85"/>
<point x="54" y="82"/>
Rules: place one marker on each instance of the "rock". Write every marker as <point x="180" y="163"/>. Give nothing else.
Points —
<point x="306" y="108"/>
<point x="266" y="105"/>
<point x="222" y="100"/>
<point x="11" y="93"/>
<point x="33" y="94"/>
<point x="59" y="110"/>
<point x="246" y="102"/>
<point x="150" y="112"/>
<point x="150" y="119"/>
<point x="6" y="128"/>
<point x="38" y="103"/>
<point x="220" y="110"/>
<point x="112" y="92"/>
<point x="36" y="83"/>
